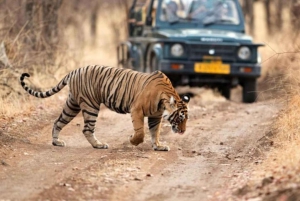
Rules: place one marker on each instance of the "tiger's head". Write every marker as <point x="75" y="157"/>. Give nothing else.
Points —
<point x="176" y="112"/>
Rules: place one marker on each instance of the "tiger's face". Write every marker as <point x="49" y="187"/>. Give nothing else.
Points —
<point x="177" y="114"/>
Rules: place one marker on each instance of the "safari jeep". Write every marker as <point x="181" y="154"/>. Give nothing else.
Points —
<point x="194" y="42"/>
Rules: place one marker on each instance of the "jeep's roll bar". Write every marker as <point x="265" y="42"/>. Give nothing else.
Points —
<point x="149" y="14"/>
<point x="131" y="10"/>
<point x="123" y="54"/>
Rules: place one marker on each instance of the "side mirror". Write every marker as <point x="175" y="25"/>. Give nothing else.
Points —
<point x="186" y="98"/>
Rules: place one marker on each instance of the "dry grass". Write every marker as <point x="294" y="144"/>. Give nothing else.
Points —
<point x="284" y="73"/>
<point x="20" y="111"/>
<point x="75" y="50"/>
<point x="286" y="128"/>
<point x="277" y="177"/>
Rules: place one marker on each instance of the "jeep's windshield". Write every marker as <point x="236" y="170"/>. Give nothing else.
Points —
<point x="206" y="12"/>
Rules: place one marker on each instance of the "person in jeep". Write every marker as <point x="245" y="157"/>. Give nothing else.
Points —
<point x="171" y="11"/>
<point x="198" y="10"/>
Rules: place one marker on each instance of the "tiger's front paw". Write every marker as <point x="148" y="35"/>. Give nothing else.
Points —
<point x="136" y="140"/>
<point x="161" y="148"/>
<point x="58" y="142"/>
<point x="101" y="146"/>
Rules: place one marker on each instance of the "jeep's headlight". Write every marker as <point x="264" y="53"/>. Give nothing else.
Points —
<point x="244" y="53"/>
<point x="177" y="50"/>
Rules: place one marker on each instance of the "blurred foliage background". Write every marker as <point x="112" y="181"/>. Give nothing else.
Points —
<point x="51" y="37"/>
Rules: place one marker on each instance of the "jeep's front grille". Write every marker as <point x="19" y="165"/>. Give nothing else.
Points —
<point x="227" y="53"/>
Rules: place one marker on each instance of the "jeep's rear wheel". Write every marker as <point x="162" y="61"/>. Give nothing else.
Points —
<point x="249" y="91"/>
<point x="153" y="65"/>
<point x="225" y="91"/>
<point x="140" y="65"/>
<point x="127" y="62"/>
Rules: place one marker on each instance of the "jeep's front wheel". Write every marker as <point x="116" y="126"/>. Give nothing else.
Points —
<point x="249" y="91"/>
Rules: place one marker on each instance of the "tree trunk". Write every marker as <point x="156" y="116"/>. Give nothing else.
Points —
<point x="50" y="25"/>
<point x="268" y="15"/>
<point x="31" y="15"/>
<point x="295" y="15"/>
<point x="279" y="8"/>
<point x="94" y="21"/>
<point x="251" y="15"/>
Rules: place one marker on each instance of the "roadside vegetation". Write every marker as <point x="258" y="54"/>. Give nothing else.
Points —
<point x="79" y="36"/>
<point x="49" y="39"/>
<point x="276" y="176"/>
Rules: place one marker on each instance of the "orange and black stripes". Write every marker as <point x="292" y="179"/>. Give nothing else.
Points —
<point x="115" y="87"/>
<point x="153" y="122"/>
<point x="121" y="90"/>
<point x="46" y="94"/>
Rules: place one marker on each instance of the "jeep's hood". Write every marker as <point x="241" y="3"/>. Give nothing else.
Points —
<point x="204" y="35"/>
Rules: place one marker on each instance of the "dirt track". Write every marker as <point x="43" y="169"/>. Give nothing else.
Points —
<point x="219" y="144"/>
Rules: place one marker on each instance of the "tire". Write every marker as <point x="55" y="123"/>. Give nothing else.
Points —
<point x="225" y="91"/>
<point x="152" y="66"/>
<point x="148" y="69"/>
<point x="249" y="91"/>
<point x="140" y="65"/>
<point x="128" y="62"/>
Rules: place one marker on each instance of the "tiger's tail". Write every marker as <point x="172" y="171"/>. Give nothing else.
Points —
<point x="45" y="94"/>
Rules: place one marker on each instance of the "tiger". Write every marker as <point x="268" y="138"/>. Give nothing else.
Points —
<point x="150" y="95"/>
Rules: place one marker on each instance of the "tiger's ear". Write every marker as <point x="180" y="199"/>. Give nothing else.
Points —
<point x="172" y="101"/>
<point x="186" y="98"/>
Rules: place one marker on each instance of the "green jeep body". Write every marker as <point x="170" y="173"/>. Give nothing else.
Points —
<point x="196" y="50"/>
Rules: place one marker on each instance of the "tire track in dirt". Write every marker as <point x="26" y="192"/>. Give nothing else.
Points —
<point x="210" y="154"/>
<point x="37" y="166"/>
<point x="216" y="146"/>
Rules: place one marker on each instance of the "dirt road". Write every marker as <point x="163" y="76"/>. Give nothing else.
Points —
<point x="220" y="143"/>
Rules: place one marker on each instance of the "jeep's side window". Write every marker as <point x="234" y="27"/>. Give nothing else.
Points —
<point x="172" y="10"/>
<point x="153" y="12"/>
<point x="137" y="18"/>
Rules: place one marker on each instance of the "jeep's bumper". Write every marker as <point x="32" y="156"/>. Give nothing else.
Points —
<point x="184" y="72"/>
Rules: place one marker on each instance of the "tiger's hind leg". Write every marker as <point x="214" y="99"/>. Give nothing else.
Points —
<point x="138" y="125"/>
<point x="70" y="110"/>
<point x="154" y="124"/>
<point x="90" y="116"/>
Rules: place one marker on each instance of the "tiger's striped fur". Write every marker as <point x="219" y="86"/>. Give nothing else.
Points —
<point x="123" y="91"/>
